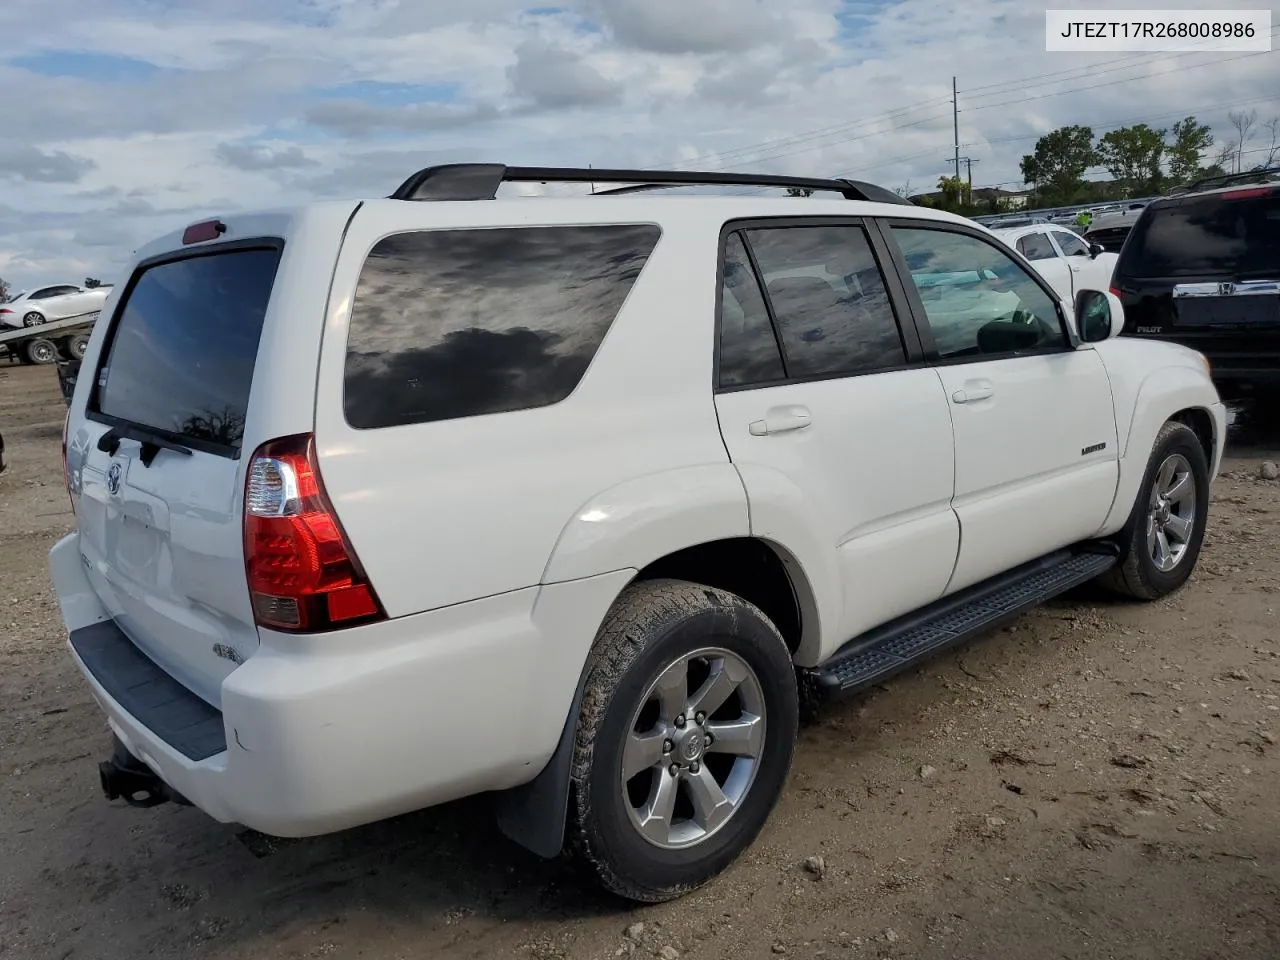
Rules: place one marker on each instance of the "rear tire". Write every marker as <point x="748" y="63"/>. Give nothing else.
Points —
<point x="1161" y="542"/>
<point x="40" y="351"/>
<point x="667" y="649"/>
<point x="33" y="319"/>
<point x="73" y="348"/>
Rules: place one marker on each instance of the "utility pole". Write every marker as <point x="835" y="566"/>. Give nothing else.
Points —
<point x="955" y="123"/>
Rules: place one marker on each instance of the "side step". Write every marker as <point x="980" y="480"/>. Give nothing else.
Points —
<point x="887" y="649"/>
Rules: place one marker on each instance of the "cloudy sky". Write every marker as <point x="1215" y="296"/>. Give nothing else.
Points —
<point x="145" y="114"/>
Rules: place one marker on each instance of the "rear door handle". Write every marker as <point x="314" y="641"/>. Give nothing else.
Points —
<point x="781" y="420"/>
<point x="974" y="390"/>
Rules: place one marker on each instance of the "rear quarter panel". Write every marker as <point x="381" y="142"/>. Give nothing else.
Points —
<point x="444" y="512"/>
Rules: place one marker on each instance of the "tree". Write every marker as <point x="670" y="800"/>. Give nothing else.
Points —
<point x="1056" y="168"/>
<point x="1132" y="155"/>
<point x="4" y="289"/>
<point x="904" y="191"/>
<point x="1244" y="123"/>
<point x="91" y="282"/>
<point x="1273" y="151"/>
<point x="953" y="193"/>
<point x="1190" y="141"/>
<point x="799" y="192"/>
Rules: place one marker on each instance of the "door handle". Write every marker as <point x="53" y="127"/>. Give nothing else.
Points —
<point x="974" y="390"/>
<point x="781" y="420"/>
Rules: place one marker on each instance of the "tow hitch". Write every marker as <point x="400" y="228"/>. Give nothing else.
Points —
<point x="126" y="777"/>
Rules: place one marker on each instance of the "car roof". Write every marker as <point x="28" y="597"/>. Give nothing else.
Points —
<point x="1019" y="232"/>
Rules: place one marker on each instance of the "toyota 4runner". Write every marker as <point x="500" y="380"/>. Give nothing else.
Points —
<point x="578" y="501"/>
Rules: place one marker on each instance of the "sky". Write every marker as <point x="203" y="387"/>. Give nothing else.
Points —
<point x="145" y="115"/>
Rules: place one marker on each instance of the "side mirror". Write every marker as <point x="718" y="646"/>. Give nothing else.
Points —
<point x="1099" y="316"/>
<point x="1095" y="249"/>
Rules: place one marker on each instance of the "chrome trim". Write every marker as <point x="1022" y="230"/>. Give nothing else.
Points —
<point x="1246" y="288"/>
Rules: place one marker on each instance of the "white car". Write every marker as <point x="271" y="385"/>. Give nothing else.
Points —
<point x="58" y="301"/>
<point x="1062" y="257"/>
<point x="386" y="503"/>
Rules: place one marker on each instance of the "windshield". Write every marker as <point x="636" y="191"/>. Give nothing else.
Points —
<point x="1217" y="235"/>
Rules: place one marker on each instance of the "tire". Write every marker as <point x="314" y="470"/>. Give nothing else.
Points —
<point x="33" y="319"/>
<point x="73" y="348"/>
<point x="1139" y="575"/>
<point x="40" y="350"/>
<point x="653" y="627"/>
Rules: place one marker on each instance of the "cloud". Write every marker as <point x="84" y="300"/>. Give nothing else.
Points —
<point x="123" y="125"/>
<point x="258" y="156"/>
<point x="555" y="78"/>
<point x="39" y="166"/>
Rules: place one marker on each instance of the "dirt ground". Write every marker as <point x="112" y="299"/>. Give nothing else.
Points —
<point x="1099" y="780"/>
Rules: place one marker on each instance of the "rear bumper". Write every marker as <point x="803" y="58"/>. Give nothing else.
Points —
<point x="318" y="734"/>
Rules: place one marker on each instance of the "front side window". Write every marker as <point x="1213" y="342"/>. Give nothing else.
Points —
<point x="1072" y="245"/>
<point x="460" y="323"/>
<point x="829" y="300"/>
<point x="988" y="305"/>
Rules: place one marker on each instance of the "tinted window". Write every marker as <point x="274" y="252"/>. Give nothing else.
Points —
<point x="1036" y="246"/>
<point x="44" y="293"/>
<point x="829" y="300"/>
<point x="185" y="343"/>
<point x="1207" y="235"/>
<point x="748" y="348"/>
<point x="1071" y="244"/>
<point x="458" y="323"/>
<point x="978" y="299"/>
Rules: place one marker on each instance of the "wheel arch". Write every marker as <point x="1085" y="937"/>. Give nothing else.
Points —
<point x="534" y="814"/>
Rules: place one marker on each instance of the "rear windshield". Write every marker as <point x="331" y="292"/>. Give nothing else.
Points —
<point x="182" y="352"/>
<point x="1207" y="236"/>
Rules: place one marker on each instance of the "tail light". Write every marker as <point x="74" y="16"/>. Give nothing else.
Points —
<point x="303" y="575"/>
<point x="1115" y="292"/>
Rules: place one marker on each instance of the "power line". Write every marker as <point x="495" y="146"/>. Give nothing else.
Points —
<point x="1021" y="83"/>
<point x="991" y="106"/>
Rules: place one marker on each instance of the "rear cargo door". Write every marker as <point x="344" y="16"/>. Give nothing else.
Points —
<point x="159" y="487"/>
<point x="1204" y="270"/>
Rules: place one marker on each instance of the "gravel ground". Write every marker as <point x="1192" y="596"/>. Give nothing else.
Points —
<point x="1098" y="780"/>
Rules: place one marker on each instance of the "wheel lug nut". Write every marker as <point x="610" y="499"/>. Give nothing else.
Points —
<point x="680" y="721"/>
<point x="710" y="740"/>
<point x="674" y="769"/>
<point x="700" y="719"/>
<point x="695" y="767"/>
<point x="667" y="746"/>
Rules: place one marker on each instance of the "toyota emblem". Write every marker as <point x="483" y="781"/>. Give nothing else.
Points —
<point x="113" y="478"/>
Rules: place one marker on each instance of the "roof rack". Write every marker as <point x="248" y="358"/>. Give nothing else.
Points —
<point x="1226" y="180"/>
<point x="480" y="181"/>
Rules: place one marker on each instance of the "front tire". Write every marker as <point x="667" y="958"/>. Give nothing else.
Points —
<point x="1161" y="542"/>
<point x="684" y="742"/>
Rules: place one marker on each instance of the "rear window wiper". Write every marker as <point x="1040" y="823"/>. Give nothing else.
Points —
<point x="152" y="442"/>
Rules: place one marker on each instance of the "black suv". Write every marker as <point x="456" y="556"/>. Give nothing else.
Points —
<point x="1201" y="267"/>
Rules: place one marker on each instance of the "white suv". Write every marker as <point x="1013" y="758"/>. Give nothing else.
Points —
<point x="578" y="501"/>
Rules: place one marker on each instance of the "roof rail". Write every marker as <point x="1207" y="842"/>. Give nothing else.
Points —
<point x="1226" y="180"/>
<point x="480" y="181"/>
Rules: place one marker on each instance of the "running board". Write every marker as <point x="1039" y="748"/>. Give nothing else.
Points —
<point x="882" y="652"/>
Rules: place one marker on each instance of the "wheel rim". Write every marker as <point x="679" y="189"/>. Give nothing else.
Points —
<point x="33" y="319"/>
<point x="77" y="349"/>
<point x="1171" y="513"/>
<point x="693" y="748"/>
<point x="42" y="353"/>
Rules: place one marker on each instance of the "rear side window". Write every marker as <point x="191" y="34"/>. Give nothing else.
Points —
<point x="1036" y="246"/>
<point x="829" y="300"/>
<point x="184" y="345"/>
<point x="459" y="323"/>
<point x="1215" y="235"/>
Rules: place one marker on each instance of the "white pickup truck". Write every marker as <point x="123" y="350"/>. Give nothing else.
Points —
<point x="578" y="501"/>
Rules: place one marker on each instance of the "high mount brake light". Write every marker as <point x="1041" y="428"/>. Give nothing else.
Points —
<point x="303" y="575"/>
<point x="1248" y="194"/>
<point x="200" y="232"/>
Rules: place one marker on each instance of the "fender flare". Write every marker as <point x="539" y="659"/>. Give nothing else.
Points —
<point x="1163" y="393"/>
<point x="625" y="527"/>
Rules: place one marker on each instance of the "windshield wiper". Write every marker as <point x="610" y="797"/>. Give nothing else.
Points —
<point x="152" y="442"/>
